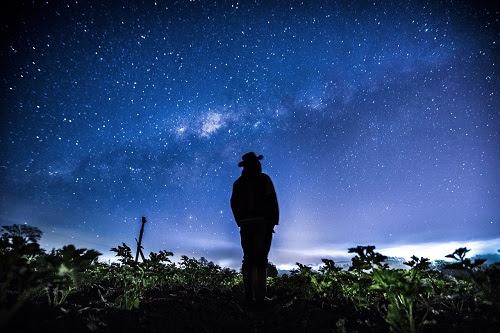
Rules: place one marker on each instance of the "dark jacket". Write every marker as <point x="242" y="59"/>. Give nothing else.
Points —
<point x="254" y="197"/>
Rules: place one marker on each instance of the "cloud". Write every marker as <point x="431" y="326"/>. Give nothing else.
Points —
<point x="286" y="258"/>
<point x="439" y="250"/>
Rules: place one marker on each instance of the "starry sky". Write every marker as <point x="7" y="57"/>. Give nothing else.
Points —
<point x="378" y="121"/>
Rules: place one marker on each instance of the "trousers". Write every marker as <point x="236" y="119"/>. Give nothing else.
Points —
<point x="256" y="243"/>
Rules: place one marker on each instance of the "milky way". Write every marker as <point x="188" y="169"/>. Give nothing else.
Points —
<point x="378" y="122"/>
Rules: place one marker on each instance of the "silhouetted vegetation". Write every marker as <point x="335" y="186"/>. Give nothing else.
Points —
<point x="68" y="289"/>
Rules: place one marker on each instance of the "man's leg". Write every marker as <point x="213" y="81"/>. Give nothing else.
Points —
<point x="264" y="245"/>
<point x="248" y="266"/>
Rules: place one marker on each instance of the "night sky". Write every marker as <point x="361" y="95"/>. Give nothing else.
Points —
<point x="379" y="124"/>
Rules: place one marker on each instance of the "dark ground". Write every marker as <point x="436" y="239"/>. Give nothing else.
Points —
<point x="183" y="310"/>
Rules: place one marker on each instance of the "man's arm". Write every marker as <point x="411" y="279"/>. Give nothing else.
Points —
<point x="234" y="205"/>
<point x="272" y="200"/>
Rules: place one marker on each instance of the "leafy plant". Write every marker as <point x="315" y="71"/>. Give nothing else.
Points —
<point x="366" y="258"/>
<point x="19" y="276"/>
<point x="64" y="268"/>
<point x="329" y="267"/>
<point x="462" y="262"/>
<point x="271" y="270"/>
<point x="422" y="264"/>
<point x="404" y="292"/>
<point x="124" y="253"/>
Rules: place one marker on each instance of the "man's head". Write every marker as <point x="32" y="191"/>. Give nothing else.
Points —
<point x="251" y="162"/>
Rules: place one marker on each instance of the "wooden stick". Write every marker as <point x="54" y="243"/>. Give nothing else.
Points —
<point x="139" y="243"/>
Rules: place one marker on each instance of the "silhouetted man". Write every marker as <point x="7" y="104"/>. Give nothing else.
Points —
<point x="255" y="209"/>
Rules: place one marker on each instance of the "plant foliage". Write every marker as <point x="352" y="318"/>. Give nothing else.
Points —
<point x="198" y="295"/>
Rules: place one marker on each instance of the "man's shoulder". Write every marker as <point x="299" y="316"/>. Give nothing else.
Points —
<point x="265" y="176"/>
<point x="239" y="180"/>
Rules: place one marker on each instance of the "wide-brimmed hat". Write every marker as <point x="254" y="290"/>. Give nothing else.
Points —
<point x="249" y="158"/>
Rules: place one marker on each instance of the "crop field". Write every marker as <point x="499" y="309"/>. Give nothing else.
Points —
<point x="67" y="289"/>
